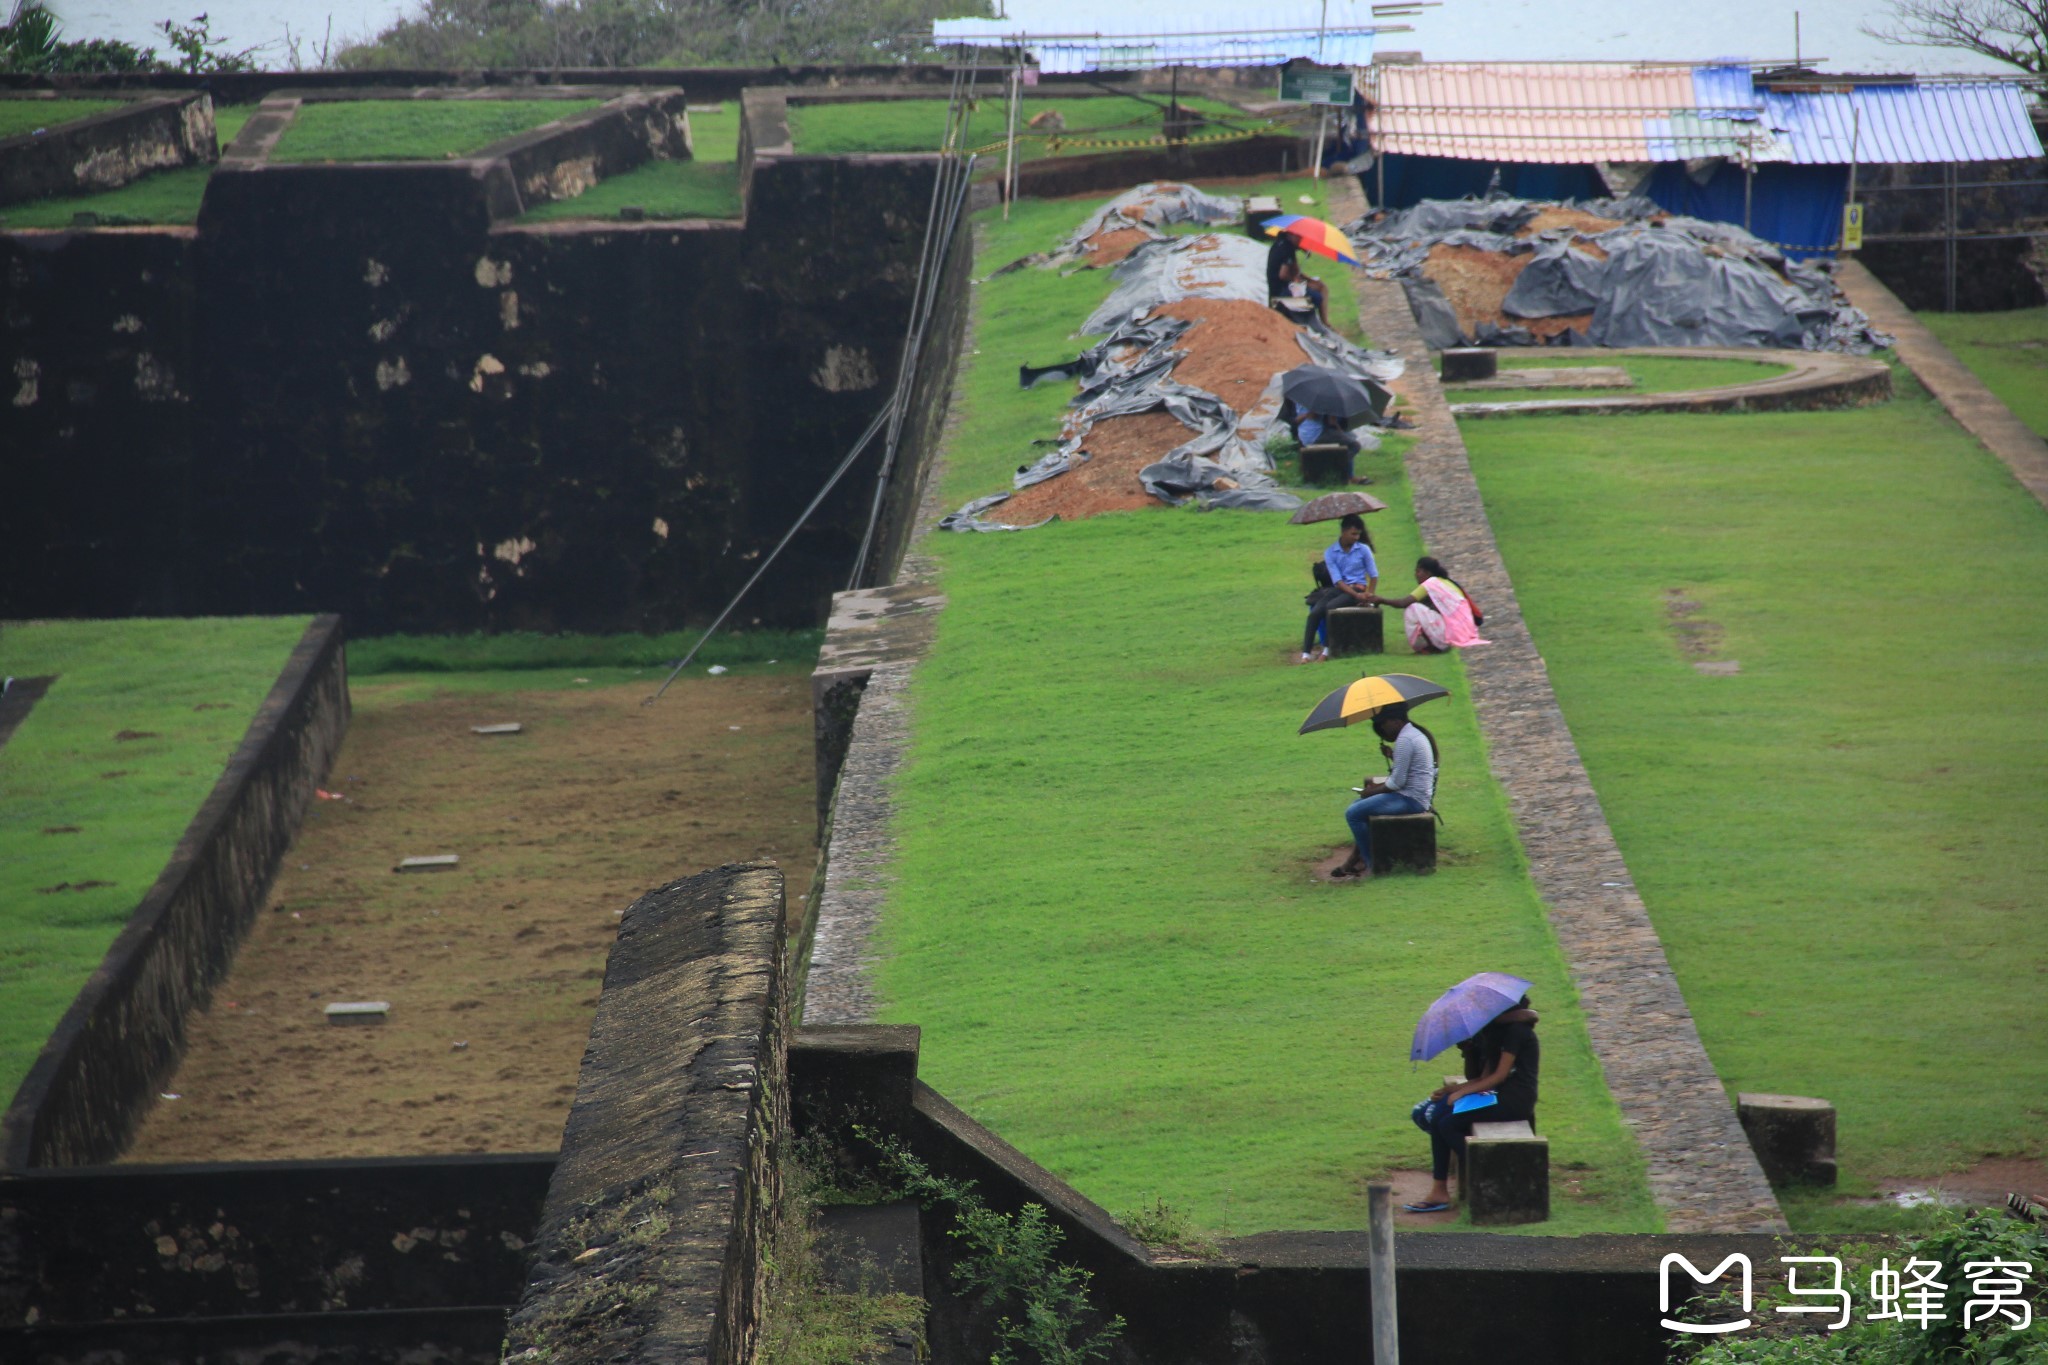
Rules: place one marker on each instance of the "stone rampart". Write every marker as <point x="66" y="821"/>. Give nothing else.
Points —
<point x="651" y="1240"/>
<point x="109" y="149"/>
<point x="123" y="1035"/>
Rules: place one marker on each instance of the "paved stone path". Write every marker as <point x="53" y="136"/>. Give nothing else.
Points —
<point x="1701" y="1170"/>
<point x="1952" y="383"/>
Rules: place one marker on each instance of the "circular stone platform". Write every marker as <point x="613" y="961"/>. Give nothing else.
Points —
<point x="1816" y="379"/>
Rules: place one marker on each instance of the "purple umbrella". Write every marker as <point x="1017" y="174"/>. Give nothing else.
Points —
<point x="1465" y="1009"/>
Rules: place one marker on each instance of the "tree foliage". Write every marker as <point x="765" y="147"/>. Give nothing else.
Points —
<point x="624" y="33"/>
<point x="31" y="44"/>
<point x="2011" y="31"/>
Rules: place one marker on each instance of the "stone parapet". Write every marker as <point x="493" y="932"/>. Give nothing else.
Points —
<point x="651" y="1239"/>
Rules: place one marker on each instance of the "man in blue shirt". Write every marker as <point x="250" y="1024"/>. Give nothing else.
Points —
<point x="1354" y="577"/>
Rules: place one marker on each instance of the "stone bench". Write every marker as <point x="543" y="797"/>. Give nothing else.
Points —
<point x="1325" y="462"/>
<point x="1355" y="630"/>
<point x="1793" y="1136"/>
<point x="1507" y="1174"/>
<point x="1405" y="843"/>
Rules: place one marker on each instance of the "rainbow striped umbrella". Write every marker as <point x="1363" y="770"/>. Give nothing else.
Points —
<point x="1315" y="234"/>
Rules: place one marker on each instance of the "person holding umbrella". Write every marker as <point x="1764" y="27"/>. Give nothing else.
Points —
<point x="1409" y="787"/>
<point x="1488" y="1016"/>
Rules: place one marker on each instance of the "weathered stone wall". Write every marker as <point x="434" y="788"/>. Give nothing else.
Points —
<point x="122" y="1036"/>
<point x="355" y="388"/>
<point x="650" y="1246"/>
<point x="1993" y="272"/>
<point x="223" y="1240"/>
<point x="109" y="149"/>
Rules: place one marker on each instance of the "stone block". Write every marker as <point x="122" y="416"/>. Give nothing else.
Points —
<point x="1507" y="1174"/>
<point x="1793" y="1137"/>
<point x="1356" y="630"/>
<point x="1405" y="843"/>
<point x="1462" y="364"/>
<point x="1325" y="463"/>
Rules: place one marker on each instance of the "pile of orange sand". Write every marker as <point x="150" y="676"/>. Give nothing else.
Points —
<point x="1233" y="351"/>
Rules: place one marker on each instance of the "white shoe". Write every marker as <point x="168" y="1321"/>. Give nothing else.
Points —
<point x="1304" y="658"/>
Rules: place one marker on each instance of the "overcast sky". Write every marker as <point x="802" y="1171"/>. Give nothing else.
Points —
<point x="1461" y="30"/>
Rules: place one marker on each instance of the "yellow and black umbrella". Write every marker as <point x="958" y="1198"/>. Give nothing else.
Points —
<point x="1358" y="701"/>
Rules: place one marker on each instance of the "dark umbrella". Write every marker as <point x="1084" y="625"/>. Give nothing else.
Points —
<point x="1318" y="388"/>
<point x="1331" y="506"/>
<point x="1358" y="701"/>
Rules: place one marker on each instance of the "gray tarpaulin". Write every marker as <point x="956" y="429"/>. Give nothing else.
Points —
<point x="1665" y="280"/>
<point x="1211" y="266"/>
<point x="1150" y="206"/>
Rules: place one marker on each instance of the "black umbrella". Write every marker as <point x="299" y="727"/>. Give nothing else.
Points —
<point x="1333" y="393"/>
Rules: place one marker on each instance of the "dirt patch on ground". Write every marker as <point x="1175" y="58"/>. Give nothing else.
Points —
<point x="1578" y="220"/>
<point x="1985" y="1184"/>
<point x="1698" y="637"/>
<point x="492" y="969"/>
<point x="1475" y="282"/>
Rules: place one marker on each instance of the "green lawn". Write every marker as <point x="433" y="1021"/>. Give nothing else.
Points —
<point x="186" y="691"/>
<point x="412" y="130"/>
<point x="161" y="197"/>
<point x="2008" y="351"/>
<point x="918" y="125"/>
<point x="25" y="116"/>
<point x="1103" y="912"/>
<point x="1652" y="374"/>
<point x="1842" y="847"/>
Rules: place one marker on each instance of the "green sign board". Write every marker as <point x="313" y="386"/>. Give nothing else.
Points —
<point x="1315" y="87"/>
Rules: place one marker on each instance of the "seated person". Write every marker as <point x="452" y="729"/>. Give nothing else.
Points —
<point x="1353" y="576"/>
<point x="1409" y="788"/>
<point x="1438" y="615"/>
<point x="1510" y="1058"/>
<point x="1285" y="251"/>
<point x="1296" y="285"/>
<point x="1315" y="428"/>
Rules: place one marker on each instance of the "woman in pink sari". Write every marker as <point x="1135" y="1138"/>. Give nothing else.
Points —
<point x="1438" y="616"/>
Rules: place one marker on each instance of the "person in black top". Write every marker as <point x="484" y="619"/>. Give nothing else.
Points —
<point x="1284" y="251"/>
<point x="1504" y="1057"/>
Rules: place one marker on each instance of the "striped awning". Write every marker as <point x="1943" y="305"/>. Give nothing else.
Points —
<point x="1587" y="112"/>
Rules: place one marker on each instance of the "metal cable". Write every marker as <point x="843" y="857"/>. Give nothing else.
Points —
<point x="859" y="446"/>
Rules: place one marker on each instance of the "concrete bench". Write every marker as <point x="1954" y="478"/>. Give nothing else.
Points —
<point x="1507" y="1174"/>
<point x="1355" y="630"/>
<point x="1399" y="842"/>
<point x="1325" y="462"/>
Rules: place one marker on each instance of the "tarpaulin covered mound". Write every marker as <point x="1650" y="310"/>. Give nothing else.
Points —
<point x="1177" y="400"/>
<point x="1612" y="272"/>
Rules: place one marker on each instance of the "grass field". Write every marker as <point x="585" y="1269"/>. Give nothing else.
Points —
<point x="25" y="116"/>
<point x="525" y="651"/>
<point x="918" y="125"/>
<point x="412" y="130"/>
<point x="97" y="814"/>
<point x="1652" y="374"/>
<point x="1105" y="916"/>
<point x="2008" y="351"/>
<point x="706" y="186"/>
<point x="162" y="197"/>
<point x="1841" y="846"/>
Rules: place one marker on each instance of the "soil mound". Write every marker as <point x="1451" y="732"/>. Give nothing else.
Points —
<point x="1476" y="281"/>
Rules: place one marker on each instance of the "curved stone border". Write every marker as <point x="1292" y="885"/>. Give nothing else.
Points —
<point x="1954" y="385"/>
<point x="1817" y="379"/>
<point x="1701" y="1170"/>
<point x="123" y="1034"/>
